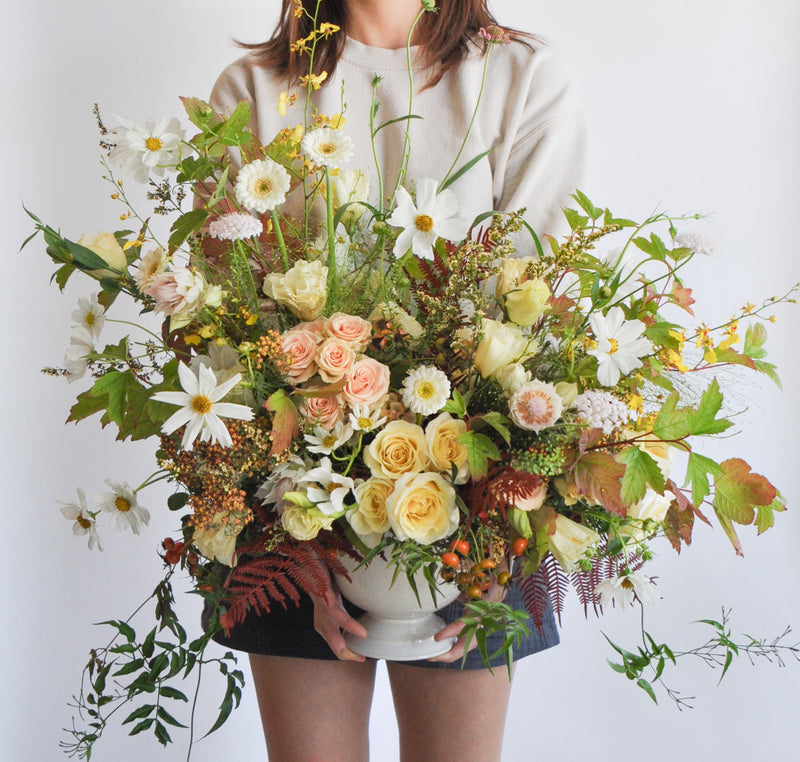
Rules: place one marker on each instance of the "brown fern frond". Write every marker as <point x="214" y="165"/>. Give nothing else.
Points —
<point x="549" y="584"/>
<point x="603" y="568"/>
<point x="509" y="486"/>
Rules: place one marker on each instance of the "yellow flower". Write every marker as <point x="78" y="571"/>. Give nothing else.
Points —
<point x="369" y="515"/>
<point x="106" y="247"/>
<point x="526" y="303"/>
<point x="422" y="508"/>
<point x="284" y="102"/>
<point x="399" y="448"/>
<point x="445" y="450"/>
<point x="326" y="29"/>
<point x="304" y="523"/>
<point x="298" y="9"/>
<point x="314" y="80"/>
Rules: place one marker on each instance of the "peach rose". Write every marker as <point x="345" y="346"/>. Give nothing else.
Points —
<point x="442" y="436"/>
<point x="335" y="358"/>
<point x="325" y="411"/>
<point x="368" y="382"/>
<point x="399" y="448"/>
<point x="301" y="345"/>
<point x="354" y="330"/>
<point x="533" y="501"/>
<point x="369" y="518"/>
<point x="422" y="508"/>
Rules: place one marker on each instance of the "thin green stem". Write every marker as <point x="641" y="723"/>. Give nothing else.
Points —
<point x="332" y="282"/>
<point x="276" y="226"/>
<point x="373" y="108"/>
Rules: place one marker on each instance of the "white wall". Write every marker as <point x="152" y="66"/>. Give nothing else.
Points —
<point x="692" y="105"/>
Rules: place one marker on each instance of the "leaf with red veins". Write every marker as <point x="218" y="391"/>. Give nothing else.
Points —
<point x="285" y="421"/>
<point x="682" y="297"/>
<point x="739" y="490"/>
<point x="588" y="439"/>
<point x="599" y="476"/>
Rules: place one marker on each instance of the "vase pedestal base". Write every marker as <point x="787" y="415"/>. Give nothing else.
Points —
<point x="404" y="639"/>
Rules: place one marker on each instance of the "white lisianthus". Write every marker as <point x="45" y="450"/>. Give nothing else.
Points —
<point x="201" y="407"/>
<point x="425" y="390"/>
<point x="432" y="217"/>
<point x="106" y="246"/>
<point x="84" y="519"/>
<point x="303" y="288"/>
<point x="619" y="345"/>
<point x="327" y="489"/>
<point x="261" y="185"/>
<point x="623" y="589"/>
<point x="513" y="377"/>
<point x="526" y="303"/>
<point x="327" y="147"/>
<point x="652" y="507"/>
<point x="141" y="150"/>
<point x="121" y="503"/>
<point x="500" y="345"/>
<point x="350" y="187"/>
<point x="304" y="523"/>
<point x="571" y="542"/>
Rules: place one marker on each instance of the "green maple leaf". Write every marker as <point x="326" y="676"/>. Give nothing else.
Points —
<point x="738" y="490"/>
<point x="641" y="470"/>
<point x="672" y="423"/>
<point x="698" y="469"/>
<point x="704" y="421"/>
<point x="765" y="514"/>
<point x="480" y="450"/>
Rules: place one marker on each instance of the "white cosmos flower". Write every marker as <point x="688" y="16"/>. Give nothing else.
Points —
<point x="624" y="588"/>
<point x="425" y="390"/>
<point x="327" y="488"/>
<point x="201" y="408"/>
<point x="141" y="150"/>
<point x="619" y="345"/>
<point x="83" y="518"/>
<point x="432" y="217"/>
<point x="121" y="503"/>
<point x="327" y="147"/>
<point x="76" y="358"/>
<point x="261" y="185"/>
<point x="235" y="226"/>
<point x="362" y="418"/>
<point x="324" y="441"/>
<point x="90" y="315"/>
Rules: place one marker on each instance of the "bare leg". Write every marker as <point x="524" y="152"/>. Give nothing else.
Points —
<point x="444" y="713"/>
<point x="314" y="711"/>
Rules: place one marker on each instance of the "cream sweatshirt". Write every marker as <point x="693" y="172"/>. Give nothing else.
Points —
<point x="529" y="112"/>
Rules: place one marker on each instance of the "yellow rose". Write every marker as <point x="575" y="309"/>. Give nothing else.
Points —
<point x="399" y="448"/>
<point x="527" y="302"/>
<point x="368" y="518"/>
<point x="501" y="344"/>
<point x="653" y="507"/>
<point x="303" y="289"/>
<point x="571" y="542"/>
<point x="304" y="523"/>
<point x="511" y="274"/>
<point x="422" y="508"/>
<point x="442" y="436"/>
<point x="215" y="542"/>
<point x="106" y="247"/>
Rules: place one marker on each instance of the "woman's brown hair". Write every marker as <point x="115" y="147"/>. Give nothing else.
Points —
<point x="445" y="37"/>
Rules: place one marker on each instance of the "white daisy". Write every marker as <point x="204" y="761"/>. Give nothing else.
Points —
<point x="327" y="147"/>
<point x="366" y="420"/>
<point x="432" y="217"/>
<point x="261" y="185"/>
<point x="623" y="589"/>
<point x="148" y="266"/>
<point x="235" y="226"/>
<point x="141" y="150"/>
<point x="201" y="409"/>
<point x="324" y="441"/>
<point x="327" y="489"/>
<point x="76" y="358"/>
<point x="90" y="315"/>
<point x="619" y="345"/>
<point x="84" y="519"/>
<point x="121" y="503"/>
<point x="425" y="390"/>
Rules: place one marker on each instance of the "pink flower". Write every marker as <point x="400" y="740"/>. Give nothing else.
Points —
<point x="334" y="359"/>
<point x="354" y="330"/>
<point x="368" y="382"/>
<point x="535" y="406"/>
<point x="317" y="327"/>
<point x="534" y="500"/>
<point x="301" y="345"/>
<point x="324" y="411"/>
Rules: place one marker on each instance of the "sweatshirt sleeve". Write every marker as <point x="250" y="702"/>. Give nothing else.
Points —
<point x="234" y="85"/>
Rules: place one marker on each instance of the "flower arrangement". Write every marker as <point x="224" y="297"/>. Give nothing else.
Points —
<point x="336" y="375"/>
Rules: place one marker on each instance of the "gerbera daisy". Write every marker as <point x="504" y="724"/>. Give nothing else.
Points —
<point x="141" y="150"/>
<point x="234" y="226"/>
<point x="327" y="489"/>
<point x="84" y="519"/>
<point x="90" y="315"/>
<point x="432" y="217"/>
<point x="261" y="185"/>
<point x="121" y="503"/>
<point x="619" y="345"/>
<point x="425" y="390"/>
<point x="536" y="406"/>
<point x="201" y="409"/>
<point x="327" y="147"/>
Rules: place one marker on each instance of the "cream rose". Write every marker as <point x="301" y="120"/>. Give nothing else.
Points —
<point x="215" y="542"/>
<point x="571" y="542"/>
<point x="106" y="247"/>
<point x="335" y="358"/>
<point x="653" y="507"/>
<point x="512" y="273"/>
<point x="422" y="508"/>
<point x="303" y="289"/>
<point x="444" y="448"/>
<point x="369" y="518"/>
<point x="354" y="330"/>
<point x="513" y="377"/>
<point x="528" y="302"/>
<point x="304" y="523"/>
<point x="501" y="344"/>
<point x="399" y="448"/>
<point x="368" y="382"/>
<point x="301" y="347"/>
<point x="350" y="187"/>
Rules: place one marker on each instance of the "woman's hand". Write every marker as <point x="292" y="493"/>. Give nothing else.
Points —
<point x="331" y="620"/>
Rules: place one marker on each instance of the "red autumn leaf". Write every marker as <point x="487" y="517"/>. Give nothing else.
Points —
<point x="599" y="477"/>
<point x="739" y="490"/>
<point x="683" y="297"/>
<point x="285" y="423"/>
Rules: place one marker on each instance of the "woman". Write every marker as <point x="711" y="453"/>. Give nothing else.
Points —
<point x="314" y="693"/>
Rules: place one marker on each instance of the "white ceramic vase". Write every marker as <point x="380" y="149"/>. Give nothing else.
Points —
<point x="399" y="628"/>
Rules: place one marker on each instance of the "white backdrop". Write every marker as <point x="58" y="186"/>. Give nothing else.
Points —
<point x="692" y="105"/>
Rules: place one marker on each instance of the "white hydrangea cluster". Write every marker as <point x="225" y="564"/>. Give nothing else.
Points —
<point x="602" y="410"/>
<point x="235" y="226"/>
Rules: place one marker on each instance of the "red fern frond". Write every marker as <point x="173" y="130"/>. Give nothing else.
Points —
<point x="602" y="569"/>
<point x="549" y="584"/>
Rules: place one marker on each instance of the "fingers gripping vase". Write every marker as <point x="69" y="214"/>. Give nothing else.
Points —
<point x="399" y="627"/>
